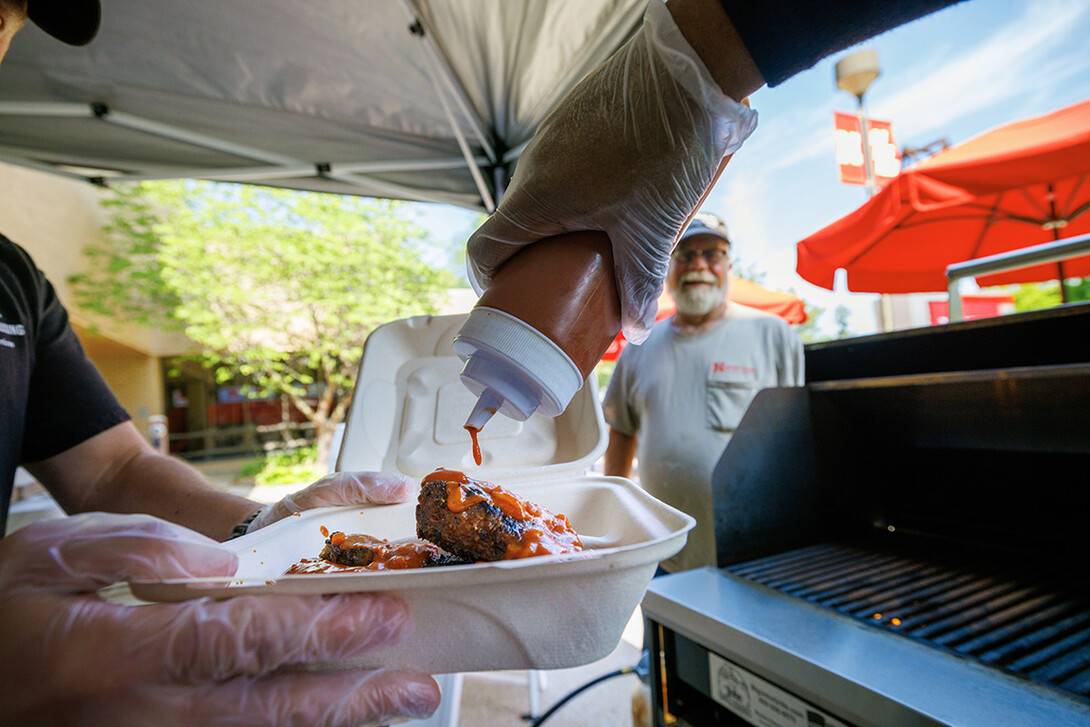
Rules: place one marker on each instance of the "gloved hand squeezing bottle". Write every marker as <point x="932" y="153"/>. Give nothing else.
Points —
<point x="632" y="151"/>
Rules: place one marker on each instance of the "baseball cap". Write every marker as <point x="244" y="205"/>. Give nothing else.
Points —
<point x="74" y="22"/>
<point x="705" y="224"/>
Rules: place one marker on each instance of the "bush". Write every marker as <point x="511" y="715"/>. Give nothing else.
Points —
<point x="289" y="467"/>
<point x="604" y="372"/>
<point x="252" y="468"/>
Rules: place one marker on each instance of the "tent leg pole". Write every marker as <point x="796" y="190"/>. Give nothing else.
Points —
<point x="954" y="304"/>
<point x="886" y="305"/>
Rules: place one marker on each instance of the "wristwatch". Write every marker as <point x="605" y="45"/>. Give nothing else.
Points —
<point x="241" y="529"/>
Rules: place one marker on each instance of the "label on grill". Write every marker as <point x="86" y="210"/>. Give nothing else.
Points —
<point x="760" y="702"/>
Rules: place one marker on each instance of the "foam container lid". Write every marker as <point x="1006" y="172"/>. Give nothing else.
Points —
<point x="409" y="409"/>
<point x="547" y="612"/>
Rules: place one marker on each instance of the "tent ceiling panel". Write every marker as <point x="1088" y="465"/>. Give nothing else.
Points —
<point x="375" y="97"/>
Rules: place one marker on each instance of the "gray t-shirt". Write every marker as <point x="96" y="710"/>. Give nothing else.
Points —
<point x="684" y="395"/>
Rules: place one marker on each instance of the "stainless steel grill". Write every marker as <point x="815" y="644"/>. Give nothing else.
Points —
<point x="998" y="608"/>
<point x="904" y="541"/>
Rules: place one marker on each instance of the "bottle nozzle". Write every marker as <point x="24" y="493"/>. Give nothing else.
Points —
<point x="487" y="404"/>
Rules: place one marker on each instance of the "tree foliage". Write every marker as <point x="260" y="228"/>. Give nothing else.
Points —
<point x="1035" y="296"/>
<point x="810" y="330"/>
<point x="123" y="278"/>
<point x="279" y="287"/>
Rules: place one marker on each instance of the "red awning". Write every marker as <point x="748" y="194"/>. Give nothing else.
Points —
<point x="1022" y="184"/>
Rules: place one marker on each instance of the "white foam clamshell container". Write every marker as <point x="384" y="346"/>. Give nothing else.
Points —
<point x="547" y="612"/>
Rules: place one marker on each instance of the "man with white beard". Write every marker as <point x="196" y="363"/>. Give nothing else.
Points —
<point x="676" y="399"/>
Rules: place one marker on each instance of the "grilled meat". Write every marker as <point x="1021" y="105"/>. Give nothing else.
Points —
<point x="479" y="521"/>
<point x="460" y="520"/>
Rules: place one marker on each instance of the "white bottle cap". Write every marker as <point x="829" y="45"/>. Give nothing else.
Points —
<point x="513" y="368"/>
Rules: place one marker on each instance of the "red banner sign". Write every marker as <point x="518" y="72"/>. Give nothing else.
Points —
<point x="972" y="306"/>
<point x="885" y="155"/>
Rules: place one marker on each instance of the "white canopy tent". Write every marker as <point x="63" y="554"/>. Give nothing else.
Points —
<point x="426" y="100"/>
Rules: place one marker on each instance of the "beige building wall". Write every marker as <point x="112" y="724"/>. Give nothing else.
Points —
<point x="54" y="218"/>
<point x="135" y="377"/>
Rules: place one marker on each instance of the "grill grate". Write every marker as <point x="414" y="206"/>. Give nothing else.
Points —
<point x="1011" y="612"/>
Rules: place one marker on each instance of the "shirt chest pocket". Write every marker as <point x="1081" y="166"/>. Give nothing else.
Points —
<point x="728" y="396"/>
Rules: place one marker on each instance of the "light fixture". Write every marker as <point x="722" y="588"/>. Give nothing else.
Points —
<point x="855" y="73"/>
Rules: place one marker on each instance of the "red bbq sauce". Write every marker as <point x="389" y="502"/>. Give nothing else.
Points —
<point x="391" y="556"/>
<point x="473" y="432"/>
<point x="387" y="555"/>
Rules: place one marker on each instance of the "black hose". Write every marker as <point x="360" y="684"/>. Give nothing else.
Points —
<point x="572" y="694"/>
<point x="642" y="669"/>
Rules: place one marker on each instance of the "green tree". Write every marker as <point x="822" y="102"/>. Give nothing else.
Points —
<point x="1035" y="296"/>
<point x="279" y="287"/>
<point x="123" y="278"/>
<point x="810" y="330"/>
<point x="1077" y="289"/>
<point x="456" y="252"/>
<point x="843" y="316"/>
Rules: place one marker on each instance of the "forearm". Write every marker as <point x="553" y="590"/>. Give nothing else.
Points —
<point x="173" y="490"/>
<point x="620" y="453"/>
<point x="117" y="471"/>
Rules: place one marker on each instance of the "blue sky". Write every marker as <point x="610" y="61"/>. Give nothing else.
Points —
<point x="952" y="75"/>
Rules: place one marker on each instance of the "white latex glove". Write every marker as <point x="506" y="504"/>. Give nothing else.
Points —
<point x="632" y="150"/>
<point x="340" y="488"/>
<point x="69" y="658"/>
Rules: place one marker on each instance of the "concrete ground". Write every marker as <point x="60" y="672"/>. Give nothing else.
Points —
<point x="502" y="699"/>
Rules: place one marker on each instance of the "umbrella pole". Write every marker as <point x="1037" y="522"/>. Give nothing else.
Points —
<point x="1055" y="237"/>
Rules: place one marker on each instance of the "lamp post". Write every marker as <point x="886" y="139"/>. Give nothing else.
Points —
<point x="854" y="74"/>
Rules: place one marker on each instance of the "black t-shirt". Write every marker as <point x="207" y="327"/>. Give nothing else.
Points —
<point x="785" y="38"/>
<point x="51" y="396"/>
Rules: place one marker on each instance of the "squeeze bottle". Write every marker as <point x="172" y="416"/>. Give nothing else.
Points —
<point x="540" y="328"/>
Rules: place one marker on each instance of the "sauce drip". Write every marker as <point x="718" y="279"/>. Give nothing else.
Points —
<point x="473" y="432"/>
<point x="543" y="533"/>
<point x="318" y="565"/>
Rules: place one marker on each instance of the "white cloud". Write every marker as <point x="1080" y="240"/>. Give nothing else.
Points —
<point x="1001" y="69"/>
<point x="1010" y="66"/>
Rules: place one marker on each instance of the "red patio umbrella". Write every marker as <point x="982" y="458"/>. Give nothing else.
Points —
<point x="1018" y="185"/>
<point x="785" y="305"/>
